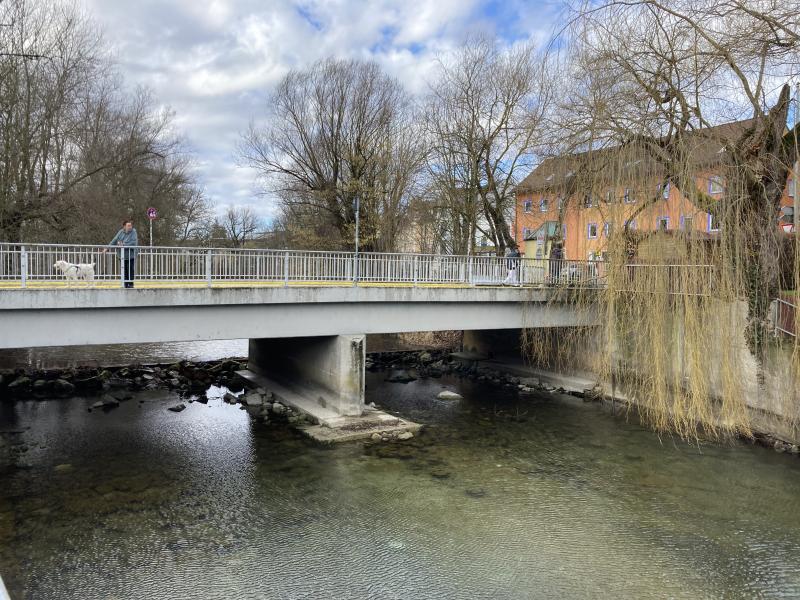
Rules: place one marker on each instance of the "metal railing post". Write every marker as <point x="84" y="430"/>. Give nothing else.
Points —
<point x="121" y="267"/>
<point x="208" y="267"/>
<point x="23" y="265"/>
<point x="470" y="277"/>
<point x="415" y="264"/>
<point x="355" y="270"/>
<point x="285" y="269"/>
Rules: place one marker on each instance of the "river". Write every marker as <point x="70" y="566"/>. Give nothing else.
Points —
<point x="501" y="496"/>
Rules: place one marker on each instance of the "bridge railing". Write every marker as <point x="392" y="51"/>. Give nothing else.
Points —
<point x="786" y="319"/>
<point x="32" y="265"/>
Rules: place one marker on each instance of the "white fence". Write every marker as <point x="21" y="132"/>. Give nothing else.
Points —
<point x="32" y="265"/>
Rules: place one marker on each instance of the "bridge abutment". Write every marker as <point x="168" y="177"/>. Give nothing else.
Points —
<point x="327" y="371"/>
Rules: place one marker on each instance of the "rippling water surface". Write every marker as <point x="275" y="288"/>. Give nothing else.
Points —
<point x="500" y="497"/>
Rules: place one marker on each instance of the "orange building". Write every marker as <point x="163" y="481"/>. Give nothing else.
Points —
<point x="591" y="193"/>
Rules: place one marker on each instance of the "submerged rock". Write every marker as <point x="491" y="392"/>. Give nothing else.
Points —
<point x="177" y="407"/>
<point x="448" y="395"/>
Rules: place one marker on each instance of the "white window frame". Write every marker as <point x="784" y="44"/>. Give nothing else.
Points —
<point x="683" y="221"/>
<point x="607" y="228"/>
<point x="544" y="205"/>
<point x="589" y="235"/>
<point x="710" y="222"/>
<point x="716" y="180"/>
<point x="658" y="222"/>
<point x="664" y="189"/>
<point x="527" y="206"/>
<point x="628" y="196"/>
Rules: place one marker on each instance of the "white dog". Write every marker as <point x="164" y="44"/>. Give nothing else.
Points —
<point x="75" y="272"/>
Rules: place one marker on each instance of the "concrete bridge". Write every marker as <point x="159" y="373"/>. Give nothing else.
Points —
<point x="313" y="337"/>
<point x="306" y="314"/>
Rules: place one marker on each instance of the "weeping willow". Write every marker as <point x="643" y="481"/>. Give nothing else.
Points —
<point x="684" y="321"/>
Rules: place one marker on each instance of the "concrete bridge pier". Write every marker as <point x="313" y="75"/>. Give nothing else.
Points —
<point x="323" y="376"/>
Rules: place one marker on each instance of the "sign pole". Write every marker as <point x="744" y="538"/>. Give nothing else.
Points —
<point x="152" y="215"/>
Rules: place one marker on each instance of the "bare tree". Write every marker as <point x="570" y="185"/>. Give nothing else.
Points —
<point x="193" y="216"/>
<point x="483" y="116"/>
<point x="240" y="224"/>
<point x="77" y="151"/>
<point x="340" y="132"/>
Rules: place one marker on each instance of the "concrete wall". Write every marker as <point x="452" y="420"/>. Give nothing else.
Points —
<point x="328" y="369"/>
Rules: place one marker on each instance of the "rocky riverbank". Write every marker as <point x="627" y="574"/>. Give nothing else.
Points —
<point x="192" y="380"/>
<point x="185" y="377"/>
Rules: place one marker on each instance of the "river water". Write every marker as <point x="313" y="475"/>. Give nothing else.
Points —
<point x="501" y="496"/>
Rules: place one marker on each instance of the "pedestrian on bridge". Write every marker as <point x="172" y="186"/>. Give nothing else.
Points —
<point x="126" y="243"/>
<point x="512" y="260"/>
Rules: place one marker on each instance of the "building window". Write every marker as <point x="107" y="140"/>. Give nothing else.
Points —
<point x="632" y="224"/>
<point x="587" y="201"/>
<point x="564" y="231"/>
<point x="713" y="223"/>
<point x="628" y="197"/>
<point x="791" y="187"/>
<point x="560" y="204"/>
<point x="664" y="190"/>
<point x="607" y="228"/>
<point x="662" y="223"/>
<point x="715" y="185"/>
<point x="527" y="206"/>
<point x="609" y="197"/>
<point x="543" y="207"/>
<point x="687" y="222"/>
<point x="591" y="231"/>
<point x="525" y="233"/>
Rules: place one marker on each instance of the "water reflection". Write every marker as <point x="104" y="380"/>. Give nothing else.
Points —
<point x="500" y="497"/>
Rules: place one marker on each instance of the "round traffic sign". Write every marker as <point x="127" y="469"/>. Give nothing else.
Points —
<point x="152" y="213"/>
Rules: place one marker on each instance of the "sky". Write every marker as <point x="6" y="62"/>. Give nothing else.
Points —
<point x="215" y="62"/>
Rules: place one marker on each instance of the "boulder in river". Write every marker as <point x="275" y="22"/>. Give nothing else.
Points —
<point x="448" y="395"/>
<point x="177" y="407"/>
<point x="62" y="387"/>
<point x="400" y="376"/>
<point x="253" y="399"/>
<point x="21" y="386"/>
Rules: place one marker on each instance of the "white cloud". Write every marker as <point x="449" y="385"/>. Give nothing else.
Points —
<point x="215" y="62"/>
